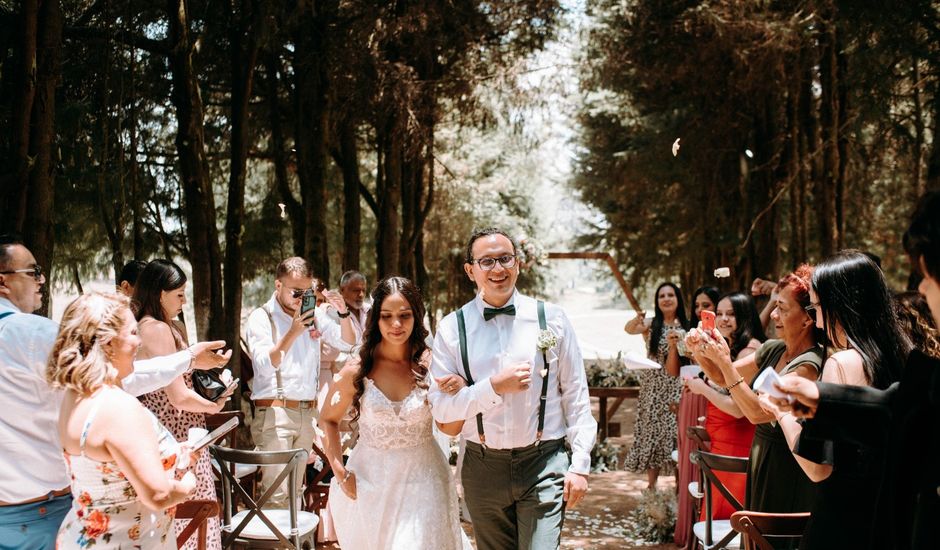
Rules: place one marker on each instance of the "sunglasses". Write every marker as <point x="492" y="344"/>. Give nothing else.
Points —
<point x="298" y="292"/>
<point x="36" y="271"/>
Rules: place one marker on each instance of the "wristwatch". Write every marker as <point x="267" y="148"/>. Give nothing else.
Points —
<point x="343" y="315"/>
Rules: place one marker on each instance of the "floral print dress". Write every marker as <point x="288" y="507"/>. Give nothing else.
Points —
<point x="106" y="512"/>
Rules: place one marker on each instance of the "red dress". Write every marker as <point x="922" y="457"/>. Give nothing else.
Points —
<point x="731" y="437"/>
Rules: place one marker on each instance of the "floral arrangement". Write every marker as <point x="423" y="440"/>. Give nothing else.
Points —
<point x="654" y="518"/>
<point x="611" y="373"/>
<point x="605" y="457"/>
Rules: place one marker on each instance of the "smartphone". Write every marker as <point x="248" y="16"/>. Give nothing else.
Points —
<point x="232" y="385"/>
<point x="708" y="320"/>
<point x="309" y="302"/>
<point x="216" y="434"/>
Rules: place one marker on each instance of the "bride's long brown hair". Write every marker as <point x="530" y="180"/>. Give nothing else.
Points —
<point x="372" y="336"/>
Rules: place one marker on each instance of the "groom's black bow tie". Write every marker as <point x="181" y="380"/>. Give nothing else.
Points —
<point x="490" y="312"/>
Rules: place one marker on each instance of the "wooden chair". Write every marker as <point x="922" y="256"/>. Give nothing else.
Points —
<point x="699" y="441"/>
<point x="198" y="512"/>
<point x="757" y="527"/>
<point x="257" y="526"/>
<point x="249" y="476"/>
<point x="317" y="487"/>
<point x="708" y="530"/>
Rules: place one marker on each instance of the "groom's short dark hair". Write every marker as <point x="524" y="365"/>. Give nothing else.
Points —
<point x="485" y="232"/>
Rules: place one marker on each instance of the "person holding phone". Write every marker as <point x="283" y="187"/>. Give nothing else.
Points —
<point x="284" y="337"/>
<point x="655" y="426"/>
<point x="121" y="459"/>
<point x="158" y="298"/>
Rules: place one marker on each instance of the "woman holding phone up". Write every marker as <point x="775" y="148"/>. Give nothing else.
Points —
<point x="158" y="298"/>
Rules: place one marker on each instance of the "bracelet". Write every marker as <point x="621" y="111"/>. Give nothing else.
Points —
<point x="343" y="315"/>
<point x="728" y="388"/>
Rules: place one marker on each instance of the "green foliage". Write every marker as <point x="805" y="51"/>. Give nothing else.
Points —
<point x="654" y="518"/>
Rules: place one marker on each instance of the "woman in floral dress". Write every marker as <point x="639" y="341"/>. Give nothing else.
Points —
<point x="159" y="297"/>
<point x="118" y="455"/>
<point x="654" y="431"/>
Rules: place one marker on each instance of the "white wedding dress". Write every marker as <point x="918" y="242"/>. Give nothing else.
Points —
<point x="405" y="494"/>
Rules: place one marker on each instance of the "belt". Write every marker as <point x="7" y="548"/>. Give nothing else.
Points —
<point x="48" y="496"/>
<point x="286" y="403"/>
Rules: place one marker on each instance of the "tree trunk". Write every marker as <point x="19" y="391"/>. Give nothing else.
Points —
<point x="38" y="234"/>
<point x="311" y="103"/>
<point x="204" y="250"/>
<point x="933" y="162"/>
<point x="16" y="184"/>
<point x="829" y="120"/>
<point x="292" y="207"/>
<point x="388" y="230"/>
<point x="244" y="27"/>
<point x="352" y="212"/>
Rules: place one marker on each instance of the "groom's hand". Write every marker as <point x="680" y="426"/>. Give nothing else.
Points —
<point x="512" y="378"/>
<point x="576" y="485"/>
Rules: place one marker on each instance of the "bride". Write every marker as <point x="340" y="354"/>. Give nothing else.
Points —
<point x="397" y="491"/>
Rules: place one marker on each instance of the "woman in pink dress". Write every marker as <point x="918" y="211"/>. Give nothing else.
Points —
<point x="158" y="298"/>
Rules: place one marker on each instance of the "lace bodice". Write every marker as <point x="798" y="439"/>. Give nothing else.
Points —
<point x="384" y="424"/>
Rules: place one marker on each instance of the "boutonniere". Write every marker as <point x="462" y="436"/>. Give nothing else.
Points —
<point x="547" y="340"/>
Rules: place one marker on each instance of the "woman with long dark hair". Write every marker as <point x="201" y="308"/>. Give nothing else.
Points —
<point x="396" y="491"/>
<point x="159" y="296"/>
<point x="704" y="297"/>
<point x="851" y="302"/>
<point x="730" y="431"/>
<point x="655" y="427"/>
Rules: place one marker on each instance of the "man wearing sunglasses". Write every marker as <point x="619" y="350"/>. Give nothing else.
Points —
<point x="34" y="480"/>
<point x="284" y="342"/>
<point x="526" y="403"/>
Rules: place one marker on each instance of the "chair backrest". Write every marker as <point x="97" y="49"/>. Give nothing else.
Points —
<point x="711" y="463"/>
<point x="317" y="492"/>
<point x="198" y="512"/>
<point x="758" y="526"/>
<point x="293" y="460"/>
<point x="699" y="436"/>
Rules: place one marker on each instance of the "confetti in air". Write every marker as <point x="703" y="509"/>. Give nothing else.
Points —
<point x="544" y="373"/>
<point x="723" y="272"/>
<point x="283" y="211"/>
<point x="337" y="377"/>
<point x="319" y="432"/>
<point x="335" y="399"/>
<point x="675" y="147"/>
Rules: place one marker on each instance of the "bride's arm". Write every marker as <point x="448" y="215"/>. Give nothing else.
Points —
<point x="335" y="399"/>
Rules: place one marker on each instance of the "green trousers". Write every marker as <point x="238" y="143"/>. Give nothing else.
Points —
<point x="515" y="496"/>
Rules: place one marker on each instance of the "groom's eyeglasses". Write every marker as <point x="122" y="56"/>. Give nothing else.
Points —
<point x="487" y="264"/>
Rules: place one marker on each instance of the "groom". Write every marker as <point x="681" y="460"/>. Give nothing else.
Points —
<point x="526" y="402"/>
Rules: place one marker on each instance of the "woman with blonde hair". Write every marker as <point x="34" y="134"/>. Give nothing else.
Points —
<point x="120" y="458"/>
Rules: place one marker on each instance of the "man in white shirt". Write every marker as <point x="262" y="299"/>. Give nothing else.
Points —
<point x="527" y="397"/>
<point x="285" y="354"/>
<point x="353" y="288"/>
<point x="34" y="480"/>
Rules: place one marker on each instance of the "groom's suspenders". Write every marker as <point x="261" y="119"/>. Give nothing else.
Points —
<point x="462" y="333"/>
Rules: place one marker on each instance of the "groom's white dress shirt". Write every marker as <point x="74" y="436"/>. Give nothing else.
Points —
<point x="511" y="421"/>
<point x="31" y="461"/>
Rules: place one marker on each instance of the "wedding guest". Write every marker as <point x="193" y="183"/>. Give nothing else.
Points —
<point x="128" y="277"/>
<point x="654" y="431"/>
<point x="917" y="322"/>
<point x="691" y="409"/>
<point x="117" y="452"/>
<point x="396" y="491"/>
<point x="901" y="420"/>
<point x="527" y="402"/>
<point x="731" y="433"/>
<point x="775" y="482"/>
<point x="852" y="304"/>
<point x="34" y="483"/>
<point x="159" y="297"/>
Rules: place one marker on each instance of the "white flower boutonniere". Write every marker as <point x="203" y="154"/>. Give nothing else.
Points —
<point x="547" y="339"/>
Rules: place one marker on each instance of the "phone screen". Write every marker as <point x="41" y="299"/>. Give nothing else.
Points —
<point x="708" y="320"/>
